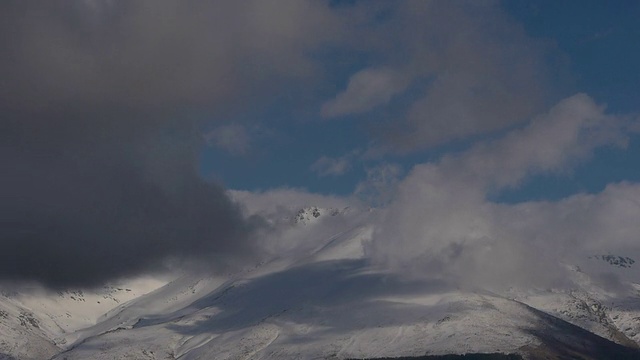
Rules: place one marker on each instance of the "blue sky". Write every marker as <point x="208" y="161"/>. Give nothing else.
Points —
<point x="588" y="46"/>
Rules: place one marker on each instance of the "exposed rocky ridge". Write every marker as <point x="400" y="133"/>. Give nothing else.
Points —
<point x="619" y="261"/>
<point x="311" y="214"/>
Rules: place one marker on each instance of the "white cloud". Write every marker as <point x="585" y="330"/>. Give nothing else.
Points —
<point x="441" y="223"/>
<point x="567" y="133"/>
<point x="327" y="166"/>
<point x="367" y="89"/>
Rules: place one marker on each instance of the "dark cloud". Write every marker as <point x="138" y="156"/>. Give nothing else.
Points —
<point x="100" y="177"/>
<point x="143" y="54"/>
<point x="86" y="202"/>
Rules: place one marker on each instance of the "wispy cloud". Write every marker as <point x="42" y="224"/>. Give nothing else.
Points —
<point x="367" y="89"/>
<point x="327" y="166"/>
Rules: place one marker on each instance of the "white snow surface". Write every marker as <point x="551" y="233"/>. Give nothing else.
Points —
<point x="316" y="297"/>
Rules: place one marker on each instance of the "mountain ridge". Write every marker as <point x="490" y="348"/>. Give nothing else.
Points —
<point x="322" y="298"/>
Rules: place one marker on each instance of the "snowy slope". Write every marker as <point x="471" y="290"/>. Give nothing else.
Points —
<point x="21" y="334"/>
<point x="605" y="298"/>
<point x="333" y="309"/>
<point x="317" y="297"/>
<point x="34" y="322"/>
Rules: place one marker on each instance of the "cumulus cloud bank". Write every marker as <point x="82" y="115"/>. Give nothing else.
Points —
<point x="442" y="222"/>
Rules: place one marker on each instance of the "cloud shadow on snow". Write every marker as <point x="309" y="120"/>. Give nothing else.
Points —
<point x="339" y="292"/>
<point x="339" y="296"/>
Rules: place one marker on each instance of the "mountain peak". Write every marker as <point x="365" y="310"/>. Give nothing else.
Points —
<point x="311" y="214"/>
<point x="615" y="260"/>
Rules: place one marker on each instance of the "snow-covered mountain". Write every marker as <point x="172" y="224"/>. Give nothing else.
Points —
<point x="318" y="297"/>
<point x="35" y="323"/>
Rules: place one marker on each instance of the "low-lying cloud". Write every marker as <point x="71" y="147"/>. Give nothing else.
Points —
<point x="442" y="222"/>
